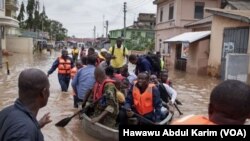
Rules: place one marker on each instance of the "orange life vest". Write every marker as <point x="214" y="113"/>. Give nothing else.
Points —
<point x="64" y="66"/>
<point x="73" y="72"/>
<point x="143" y="102"/>
<point x="193" y="120"/>
<point x="98" y="88"/>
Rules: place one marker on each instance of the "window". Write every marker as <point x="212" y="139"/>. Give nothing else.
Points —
<point x="199" y="10"/>
<point x="1" y="4"/>
<point x="171" y="11"/>
<point x="161" y="14"/>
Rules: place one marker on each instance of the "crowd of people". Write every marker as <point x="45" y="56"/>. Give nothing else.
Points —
<point x="103" y="78"/>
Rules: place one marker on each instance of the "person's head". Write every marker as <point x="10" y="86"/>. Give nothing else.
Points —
<point x="153" y="79"/>
<point x="84" y="60"/>
<point x="119" y="42"/>
<point x="91" y="60"/>
<point x="82" y="48"/>
<point x="229" y="103"/>
<point x="124" y="71"/>
<point x="108" y="57"/>
<point x="132" y="59"/>
<point x="74" y="47"/>
<point x="103" y="52"/>
<point x="64" y="53"/>
<point x="33" y="87"/>
<point x="164" y="76"/>
<point x="109" y="71"/>
<point x="91" y="51"/>
<point x="143" y="79"/>
<point x="78" y="64"/>
<point x="100" y="75"/>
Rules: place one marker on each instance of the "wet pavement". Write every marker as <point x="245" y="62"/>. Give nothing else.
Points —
<point x="193" y="91"/>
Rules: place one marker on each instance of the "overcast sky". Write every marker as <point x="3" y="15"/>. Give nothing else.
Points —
<point x="80" y="16"/>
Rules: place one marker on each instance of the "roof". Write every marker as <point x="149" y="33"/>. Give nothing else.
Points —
<point x="241" y="15"/>
<point x="239" y="4"/>
<point x="188" y="37"/>
<point x="206" y="20"/>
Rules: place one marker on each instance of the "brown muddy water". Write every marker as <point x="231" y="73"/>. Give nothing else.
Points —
<point x="193" y="91"/>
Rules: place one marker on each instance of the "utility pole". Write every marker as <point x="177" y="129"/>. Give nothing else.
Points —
<point x="94" y="33"/>
<point x="107" y="27"/>
<point x="124" y="30"/>
<point x="103" y="26"/>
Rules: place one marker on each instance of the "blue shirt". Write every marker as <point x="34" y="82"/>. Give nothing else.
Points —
<point x="83" y="81"/>
<point x="143" y="65"/>
<point x="155" y="115"/>
<point x="18" y="124"/>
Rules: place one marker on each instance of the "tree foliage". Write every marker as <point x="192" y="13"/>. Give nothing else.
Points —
<point x="20" y="16"/>
<point x="39" y="22"/>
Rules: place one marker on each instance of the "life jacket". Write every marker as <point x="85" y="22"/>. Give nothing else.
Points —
<point x="98" y="88"/>
<point x="193" y="120"/>
<point x="73" y="72"/>
<point x="143" y="102"/>
<point x="64" y="66"/>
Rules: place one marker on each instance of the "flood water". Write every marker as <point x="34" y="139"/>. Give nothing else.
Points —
<point x="193" y="91"/>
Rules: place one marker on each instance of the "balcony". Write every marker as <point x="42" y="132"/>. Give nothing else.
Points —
<point x="12" y="5"/>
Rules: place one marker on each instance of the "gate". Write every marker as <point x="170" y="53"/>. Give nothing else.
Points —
<point x="235" y="40"/>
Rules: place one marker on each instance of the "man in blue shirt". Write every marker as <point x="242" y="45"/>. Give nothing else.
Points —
<point x="18" y="122"/>
<point x="84" y="80"/>
<point x="142" y="64"/>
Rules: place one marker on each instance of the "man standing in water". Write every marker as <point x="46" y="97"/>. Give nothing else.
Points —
<point x="64" y="65"/>
<point x="119" y="54"/>
<point x="18" y="121"/>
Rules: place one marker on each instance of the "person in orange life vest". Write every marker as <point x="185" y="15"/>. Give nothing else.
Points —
<point x="144" y="99"/>
<point x="64" y="64"/>
<point x="107" y="108"/>
<point x="229" y="105"/>
<point x="75" y="53"/>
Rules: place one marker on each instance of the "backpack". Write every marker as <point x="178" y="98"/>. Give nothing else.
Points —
<point x="155" y="62"/>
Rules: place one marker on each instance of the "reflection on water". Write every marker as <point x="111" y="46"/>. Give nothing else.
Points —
<point x="193" y="92"/>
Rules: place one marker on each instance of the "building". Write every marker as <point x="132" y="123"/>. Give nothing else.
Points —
<point x="8" y="23"/>
<point x="229" y="34"/>
<point x="237" y="5"/>
<point x="172" y="15"/>
<point x="140" y="35"/>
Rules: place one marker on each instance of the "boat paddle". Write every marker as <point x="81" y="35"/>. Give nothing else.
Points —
<point x="66" y="120"/>
<point x="140" y="116"/>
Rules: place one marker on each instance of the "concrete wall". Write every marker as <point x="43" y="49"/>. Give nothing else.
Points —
<point x="183" y="14"/>
<point x="19" y="44"/>
<point x="218" y="25"/>
<point x="197" y="59"/>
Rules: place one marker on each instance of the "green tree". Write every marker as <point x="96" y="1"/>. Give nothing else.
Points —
<point x="30" y="11"/>
<point x="36" y="21"/>
<point x="20" y="16"/>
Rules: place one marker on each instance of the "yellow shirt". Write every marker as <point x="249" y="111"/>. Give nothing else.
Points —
<point x="119" y="61"/>
<point x="75" y="51"/>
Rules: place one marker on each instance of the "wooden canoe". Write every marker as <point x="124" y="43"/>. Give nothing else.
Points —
<point x="103" y="132"/>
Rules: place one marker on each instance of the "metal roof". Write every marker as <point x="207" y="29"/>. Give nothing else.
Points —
<point x="188" y="37"/>
<point x="240" y="15"/>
